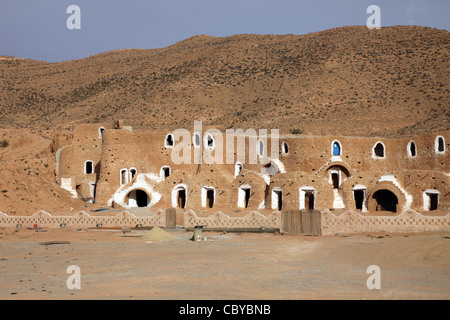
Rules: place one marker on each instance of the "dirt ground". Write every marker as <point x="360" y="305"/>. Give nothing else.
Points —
<point x="230" y="266"/>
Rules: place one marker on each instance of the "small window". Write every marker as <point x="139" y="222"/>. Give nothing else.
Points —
<point x="439" y="144"/>
<point x="412" y="150"/>
<point x="378" y="150"/>
<point x="196" y="140"/>
<point x="237" y="169"/>
<point x="209" y="141"/>
<point x="261" y="147"/>
<point x="336" y="148"/>
<point x="133" y="172"/>
<point x="168" y="143"/>
<point x="88" y="167"/>
<point x="165" y="172"/>
<point x="123" y="177"/>
<point x="101" y="131"/>
<point x="285" y="148"/>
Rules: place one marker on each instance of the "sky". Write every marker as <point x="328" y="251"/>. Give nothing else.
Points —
<point x="37" y="29"/>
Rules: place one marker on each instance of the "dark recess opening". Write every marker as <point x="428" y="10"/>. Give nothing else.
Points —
<point x="181" y="198"/>
<point x="379" y="150"/>
<point x="141" y="198"/>
<point x="89" y="168"/>
<point x="433" y="201"/>
<point x="309" y="200"/>
<point x="386" y="200"/>
<point x="210" y="198"/>
<point x="359" y="199"/>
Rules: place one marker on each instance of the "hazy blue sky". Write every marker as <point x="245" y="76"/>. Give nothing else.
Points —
<point x="36" y="29"/>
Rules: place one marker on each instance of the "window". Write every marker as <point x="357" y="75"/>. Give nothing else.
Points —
<point x="378" y="150"/>
<point x="439" y="145"/>
<point x="261" y="148"/>
<point x="165" y="172"/>
<point x="336" y="148"/>
<point x="412" y="150"/>
<point x="123" y="177"/>
<point x="430" y="200"/>
<point x="196" y="139"/>
<point x="209" y="141"/>
<point x="133" y="172"/>
<point x="88" y="167"/>
<point x="237" y="169"/>
<point x="101" y="130"/>
<point x="284" y="148"/>
<point x="168" y="142"/>
<point x="307" y="198"/>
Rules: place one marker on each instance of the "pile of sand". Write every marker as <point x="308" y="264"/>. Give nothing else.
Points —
<point x="157" y="235"/>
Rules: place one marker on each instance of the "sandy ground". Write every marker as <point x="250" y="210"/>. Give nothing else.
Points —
<point x="230" y="266"/>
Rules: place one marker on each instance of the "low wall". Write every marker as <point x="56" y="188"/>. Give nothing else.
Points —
<point x="409" y="221"/>
<point x="83" y="220"/>
<point x="219" y="220"/>
<point x="350" y="222"/>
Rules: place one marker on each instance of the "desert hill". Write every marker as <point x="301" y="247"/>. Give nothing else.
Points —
<point x="347" y="81"/>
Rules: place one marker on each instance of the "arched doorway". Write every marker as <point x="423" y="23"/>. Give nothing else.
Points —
<point x="138" y="198"/>
<point x="385" y="200"/>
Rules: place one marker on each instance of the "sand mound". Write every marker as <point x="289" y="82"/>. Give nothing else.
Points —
<point x="157" y="235"/>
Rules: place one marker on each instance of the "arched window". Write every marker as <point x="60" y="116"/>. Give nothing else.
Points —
<point x="336" y="148"/>
<point x="439" y="145"/>
<point x="101" y="130"/>
<point x="133" y="172"/>
<point x="378" y="150"/>
<point x="88" y="167"/>
<point x="412" y="149"/>
<point x="179" y="196"/>
<point x="123" y="177"/>
<point x="168" y="142"/>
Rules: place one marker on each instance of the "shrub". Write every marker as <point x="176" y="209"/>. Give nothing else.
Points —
<point x="4" y="143"/>
<point x="296" y="131"/>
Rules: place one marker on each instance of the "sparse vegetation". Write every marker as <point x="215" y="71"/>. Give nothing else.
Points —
<point x="4" y="143"/>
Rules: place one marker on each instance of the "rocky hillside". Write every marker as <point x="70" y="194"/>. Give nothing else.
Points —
<point x="345" y="81"/>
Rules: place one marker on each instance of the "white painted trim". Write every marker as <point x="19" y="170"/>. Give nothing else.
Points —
<point x="166" y="145"/>
<point x="162" y="173"/>
<point x="408" y="149"/>
<point x="436" y="145"/>
<point x="340" y="148"/>
<point x="175" y="190"/>
<point x="241" y="195"/>
<point x="426" y="198"/>
<point x="374" y="156"/>
<point x="302" y="192"/>
<point x="126" y="177"/>
<point x="275" y="197"/>
<point x="205" y="190"/>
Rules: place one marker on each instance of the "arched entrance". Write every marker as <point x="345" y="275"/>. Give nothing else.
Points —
<point x="138" y="198"/>
<point x="385" y="200"/>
